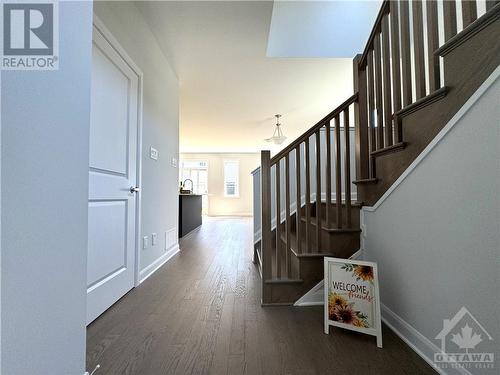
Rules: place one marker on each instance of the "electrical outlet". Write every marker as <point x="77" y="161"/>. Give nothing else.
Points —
<point x="154" y="239"/>
<point x="173" y="162"/>
<point x="145" y="242"/>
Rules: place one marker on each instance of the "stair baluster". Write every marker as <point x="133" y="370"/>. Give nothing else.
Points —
<point x="386" y="77"/>
<point x="418" y="49"/>
<point x="469" y="12"/>
<point x="288" y="221"/>
<point x="433" y="45"/>
<point x="371" y="115"/>
<point x="378" y="93"/>
<point x="318" y="191"/>
<point x="450" y="19"/>
<point x="278" y="218"/>
<point x="405" y="52"/>
<point x="338" y="173"/>
<point x="328" y="175"/>
<point x="308" y="195"/>
<point x="298" y="200"/>
<point x="396" y="72"/>
<point x="347" y="169"/>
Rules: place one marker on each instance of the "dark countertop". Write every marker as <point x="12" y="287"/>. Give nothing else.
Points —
<point x="190" y="206"/>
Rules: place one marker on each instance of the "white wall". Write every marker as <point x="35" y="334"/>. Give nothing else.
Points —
<point x="44" y="155"/>
<point x="436" y="236"/>
<point x="218" y="205"/>
<point x="159" y="211"/>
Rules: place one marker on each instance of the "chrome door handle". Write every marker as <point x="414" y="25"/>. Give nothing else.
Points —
<point x="134" y="189"/>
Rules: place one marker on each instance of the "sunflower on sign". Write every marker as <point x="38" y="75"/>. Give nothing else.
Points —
<point x="339" y="310"/>
<point x="364" y="273"/>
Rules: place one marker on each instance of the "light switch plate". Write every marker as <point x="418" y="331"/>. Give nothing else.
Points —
<point x="153" y="153"/>
<point x="173" y="162"/>
<point x="154" y="239"/>
<point x="145" y="242"/>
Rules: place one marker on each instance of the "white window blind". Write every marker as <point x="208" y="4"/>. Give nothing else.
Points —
<point x="231" y="178"/>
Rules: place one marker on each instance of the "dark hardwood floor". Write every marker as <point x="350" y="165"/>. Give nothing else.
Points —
<point x="200" y="314"/>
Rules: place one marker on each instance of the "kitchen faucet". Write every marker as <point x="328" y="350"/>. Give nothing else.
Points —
<point x="184" y="184"/>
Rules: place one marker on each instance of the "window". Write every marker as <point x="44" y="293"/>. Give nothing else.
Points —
<point x="196" y="171"/>
<point x="231" y="178"/>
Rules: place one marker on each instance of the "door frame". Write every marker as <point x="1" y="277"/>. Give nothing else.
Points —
<point x="99" y="25"/>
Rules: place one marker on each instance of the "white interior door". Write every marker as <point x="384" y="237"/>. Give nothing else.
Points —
<point x="112" y="173"/>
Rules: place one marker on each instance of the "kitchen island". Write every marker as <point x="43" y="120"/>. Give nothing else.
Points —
<point x="189" y="213"/>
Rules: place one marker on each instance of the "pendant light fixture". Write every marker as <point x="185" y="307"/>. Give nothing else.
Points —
<point x="278" y="136"/>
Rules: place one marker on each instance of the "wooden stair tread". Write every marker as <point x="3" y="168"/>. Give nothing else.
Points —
<point x="314" y="255"/>
<point x="366" y="181"/>
<point x="334" y="203"/>
<point x="293" y="245"/>
<point x="389" y="149"/>
<point x="331" y="230"/>
<point x="283" y="281"/>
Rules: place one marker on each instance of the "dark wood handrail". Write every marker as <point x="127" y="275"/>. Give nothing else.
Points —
<point x="314" y="128"/>
<point x="384" y="8"/>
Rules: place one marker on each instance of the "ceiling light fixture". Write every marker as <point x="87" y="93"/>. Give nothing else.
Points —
<point x="278" y="136"/>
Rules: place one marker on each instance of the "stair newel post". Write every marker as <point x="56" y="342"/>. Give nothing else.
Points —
<point x="288" y="221"/>
<point x="266" y="236"/>
<point x="308" y="195"/>
<point x="298" y="200"/>
<point x="361" y="120"/>
<point x="278" y="218"/>
<point x="318" y="191"/>
<point x="328" y="174"/>
<point x="338" y="173"/>
<point x="347" y="168"/>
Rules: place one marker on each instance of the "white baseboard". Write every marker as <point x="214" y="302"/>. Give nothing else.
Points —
<point x="415" y="340"/>
<point x="153" y="267"/>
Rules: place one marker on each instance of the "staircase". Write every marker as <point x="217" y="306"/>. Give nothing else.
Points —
<point x="408" y="85"/>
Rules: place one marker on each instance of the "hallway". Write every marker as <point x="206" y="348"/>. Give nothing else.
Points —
<point x="200" y="314"/>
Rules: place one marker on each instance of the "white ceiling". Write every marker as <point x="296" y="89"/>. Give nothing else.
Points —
<point x="229" y="89"/>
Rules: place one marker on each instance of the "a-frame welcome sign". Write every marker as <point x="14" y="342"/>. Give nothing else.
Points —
<point x="352" y="297"/>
